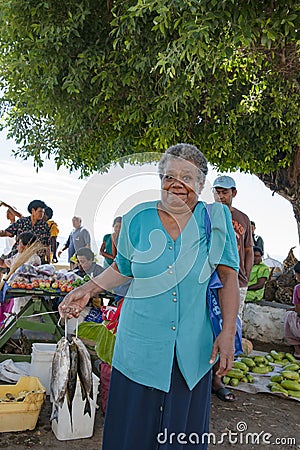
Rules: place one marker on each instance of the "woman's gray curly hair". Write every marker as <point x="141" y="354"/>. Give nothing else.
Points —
<point x="187" y="152"/>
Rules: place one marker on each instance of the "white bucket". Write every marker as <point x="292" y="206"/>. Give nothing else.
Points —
<point x="41" y="363"/>
<point x="83" y="424"/>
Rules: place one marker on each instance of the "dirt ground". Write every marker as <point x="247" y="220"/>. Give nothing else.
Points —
<point x="272" y="420"/>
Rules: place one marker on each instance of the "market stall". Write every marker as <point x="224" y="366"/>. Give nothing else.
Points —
<point x="36" y="315"/>
<point x="44" y="288"/>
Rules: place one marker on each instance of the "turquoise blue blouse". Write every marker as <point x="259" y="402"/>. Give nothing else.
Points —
<point x="165" y="307"/>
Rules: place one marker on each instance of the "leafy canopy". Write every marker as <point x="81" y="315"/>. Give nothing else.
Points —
<point x="90" y="81"/>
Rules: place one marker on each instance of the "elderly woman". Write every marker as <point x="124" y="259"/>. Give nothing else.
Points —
<point x="161" y="377"/>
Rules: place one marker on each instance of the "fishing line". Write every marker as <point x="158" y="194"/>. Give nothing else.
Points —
<point x="40" y="314"/>
<point x="76" y="328"/>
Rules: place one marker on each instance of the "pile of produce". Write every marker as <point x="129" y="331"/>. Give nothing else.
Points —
<point x="280" y="358"/>
<point x="282" y="368"/>
<point x="45" y="278"/>
<point x="239" y="373"/>
<point x="287" y="381"/>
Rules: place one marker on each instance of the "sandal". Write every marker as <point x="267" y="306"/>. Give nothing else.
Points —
<point x="224" y="394"/>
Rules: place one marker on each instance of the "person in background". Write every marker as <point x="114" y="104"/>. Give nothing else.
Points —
<point x="53" y="227"/>
<point x="257" y="240"/>
<point x="164" y="350"/>
<point x="14" y="210"/>
<point x="259" y="275"/>
<point x="224" y="190"/>
<point x="9" y="241"/>
<point x="292" y="318"/>
<point x="86" y="263"/>
<point x="25" y="240"/>
<point x="108" y="248"/>
<point x="78" y="238"/>
<point x="33" y="223"/>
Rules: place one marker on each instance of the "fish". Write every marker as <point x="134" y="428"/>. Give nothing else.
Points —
<point x="59" y="375"/>
<point x="72" y="381"/>
<point x="84" y="373"/>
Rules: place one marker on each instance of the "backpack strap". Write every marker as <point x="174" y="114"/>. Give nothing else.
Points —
<point x="208" y="209"/>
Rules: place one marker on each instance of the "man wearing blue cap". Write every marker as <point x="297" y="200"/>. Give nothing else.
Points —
<point x="224" y="189"/>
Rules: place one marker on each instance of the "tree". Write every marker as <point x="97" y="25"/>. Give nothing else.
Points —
<point x="90" y="81"/>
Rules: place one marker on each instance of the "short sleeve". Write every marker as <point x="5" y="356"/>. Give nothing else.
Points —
<point x="87" y="237"/>
<point x="265" y="272"/>
<point x="54" y="230"/>
<point x="123" y="258"/>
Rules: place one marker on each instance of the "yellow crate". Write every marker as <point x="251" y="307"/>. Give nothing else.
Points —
<point x="20" y="416"/>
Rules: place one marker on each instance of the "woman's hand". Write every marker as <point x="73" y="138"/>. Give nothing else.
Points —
<point x="76" y="300"/>
<point x="73" y="303"/>
<point x="224" y="346"/>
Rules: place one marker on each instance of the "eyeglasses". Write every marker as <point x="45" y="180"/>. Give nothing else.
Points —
<point x="186" y="179"/>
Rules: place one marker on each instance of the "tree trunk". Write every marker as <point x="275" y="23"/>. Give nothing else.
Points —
<point x="286" y="182"/>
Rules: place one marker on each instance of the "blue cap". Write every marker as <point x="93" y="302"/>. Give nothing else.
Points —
<point x="224" y="182"/>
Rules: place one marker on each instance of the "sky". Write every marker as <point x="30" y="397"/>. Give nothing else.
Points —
<point x="101" y="197"/>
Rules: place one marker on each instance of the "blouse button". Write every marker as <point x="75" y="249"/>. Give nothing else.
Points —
<point x="175" y="300"/>
<point x="169" y="267"/>
<point x="171" y="247"/>
<point x="174" y="293"/>
<point x="173" y="328"/>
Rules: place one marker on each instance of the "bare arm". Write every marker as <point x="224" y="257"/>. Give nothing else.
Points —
<point x="47" y="254"/>
<point x="297" y="309"/>
<point x="2" y="264"/>
<point x="103" y="253"/>
<point x="229" y="303"/>
<point x="65" y="246"/>
<point x="76" y="300"/>
<point x="248" y="260"/>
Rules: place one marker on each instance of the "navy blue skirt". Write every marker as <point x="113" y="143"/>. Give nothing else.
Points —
<point x="143" y="418"/>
